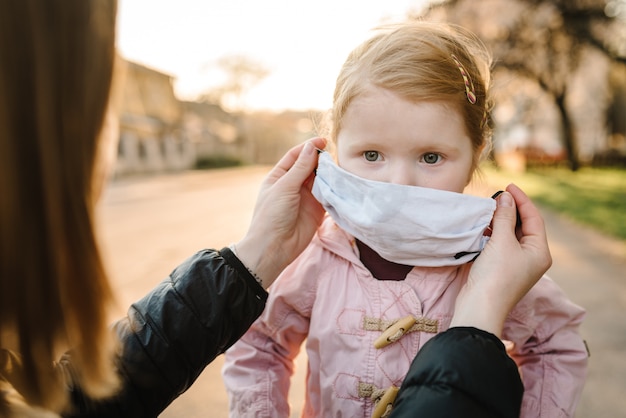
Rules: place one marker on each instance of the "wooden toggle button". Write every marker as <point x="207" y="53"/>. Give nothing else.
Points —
<point x="385" y="402"/>
<point x="395" y="331"/>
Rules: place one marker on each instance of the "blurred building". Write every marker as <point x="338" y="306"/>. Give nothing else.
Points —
<point x="151" y="138"/>
<point x="159" y="133"/>
<point x="214" y="133"/>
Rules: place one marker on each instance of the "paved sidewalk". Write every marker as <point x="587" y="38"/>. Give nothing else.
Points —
<point x="591" y="268"/>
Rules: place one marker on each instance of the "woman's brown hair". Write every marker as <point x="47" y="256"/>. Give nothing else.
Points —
<point x="56" y="64"/>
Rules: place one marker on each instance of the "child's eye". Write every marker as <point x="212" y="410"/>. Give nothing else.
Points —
<point x="371" y="155"/>
<point x="431" y="158"/>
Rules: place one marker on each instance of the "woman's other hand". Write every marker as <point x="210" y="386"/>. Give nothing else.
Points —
<point x="286" y="214"/>
<point x="512" y="262"/>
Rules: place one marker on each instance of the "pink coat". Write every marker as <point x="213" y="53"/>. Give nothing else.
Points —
<point x="328" y="298"/>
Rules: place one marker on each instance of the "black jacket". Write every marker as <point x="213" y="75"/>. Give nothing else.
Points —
<point x="170" y="335"/>
<point x="209" y="302"/>
<point x="463" y="372"/>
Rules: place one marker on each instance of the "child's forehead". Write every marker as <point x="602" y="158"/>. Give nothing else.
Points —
<point x="377" y="102"/>
<point x="371" y="94"/>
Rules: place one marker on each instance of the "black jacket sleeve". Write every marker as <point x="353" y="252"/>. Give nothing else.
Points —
<point x="170" y="335"/>
<point x="462" y="372"/>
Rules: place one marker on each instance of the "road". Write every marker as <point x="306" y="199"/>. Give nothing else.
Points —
<point x="149" y="225"/>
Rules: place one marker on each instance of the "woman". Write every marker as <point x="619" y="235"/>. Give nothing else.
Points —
<point x="57" y="65"/>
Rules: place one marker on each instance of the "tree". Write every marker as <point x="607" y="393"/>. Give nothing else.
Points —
<point x="543" y="40"/>
<point x="242" y="73"/>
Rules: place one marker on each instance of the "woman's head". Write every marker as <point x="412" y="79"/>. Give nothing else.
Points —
<point x="421" y="62"/>
<point x="57" y="62"/>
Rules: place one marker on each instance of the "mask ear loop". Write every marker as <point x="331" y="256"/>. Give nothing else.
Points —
<point x="319" y="151"/>
<point x="464" y="253"/>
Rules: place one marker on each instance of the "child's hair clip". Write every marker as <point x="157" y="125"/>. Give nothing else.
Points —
<point x="469" y="86"/>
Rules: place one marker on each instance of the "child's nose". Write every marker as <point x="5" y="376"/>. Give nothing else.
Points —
<point x="404" y="175"/>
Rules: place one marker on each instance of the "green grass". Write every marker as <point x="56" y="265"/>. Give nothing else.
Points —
<point x="217" y="161"/>
<point x="593" y="196"/>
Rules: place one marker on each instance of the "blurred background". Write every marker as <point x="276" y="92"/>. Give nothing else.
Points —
<point x="244" y="80"/>
<point x="208" y="94"/>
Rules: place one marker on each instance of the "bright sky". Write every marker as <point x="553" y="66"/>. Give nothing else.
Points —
<point x="302" y="43"/>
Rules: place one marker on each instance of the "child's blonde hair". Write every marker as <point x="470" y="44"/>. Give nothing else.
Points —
<point x="421" y="61"/>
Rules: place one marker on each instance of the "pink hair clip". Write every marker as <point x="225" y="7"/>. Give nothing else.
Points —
<point x="469" y="86"/>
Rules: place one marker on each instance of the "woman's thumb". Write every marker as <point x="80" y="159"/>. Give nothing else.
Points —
<point x="505" y="215"/>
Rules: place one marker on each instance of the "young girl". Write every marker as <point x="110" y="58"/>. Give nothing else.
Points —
<point x="381" y="276"/>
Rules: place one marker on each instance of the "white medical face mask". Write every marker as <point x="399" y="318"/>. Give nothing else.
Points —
<point x="408" y="225"/>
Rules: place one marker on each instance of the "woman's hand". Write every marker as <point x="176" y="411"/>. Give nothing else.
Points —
<point x="511" y="263"/>
<point x="286" y="214"/>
